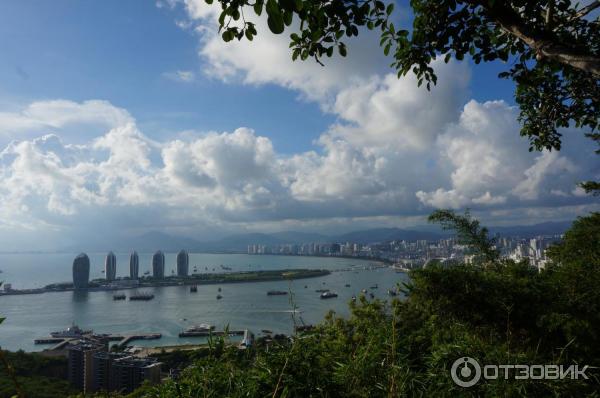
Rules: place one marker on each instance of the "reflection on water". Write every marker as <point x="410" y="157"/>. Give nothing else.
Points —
<point x="80" y="296"/>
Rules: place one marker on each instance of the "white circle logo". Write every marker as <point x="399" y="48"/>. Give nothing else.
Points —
<point x="465" y="372"/>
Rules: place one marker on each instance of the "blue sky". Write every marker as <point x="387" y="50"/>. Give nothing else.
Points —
<point x="135" y="116"/>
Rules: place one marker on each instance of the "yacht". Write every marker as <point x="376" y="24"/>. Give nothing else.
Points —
<point x="327" y="295"/>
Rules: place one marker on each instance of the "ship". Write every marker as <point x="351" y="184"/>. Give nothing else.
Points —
<point x="202" y="329"/>
<point x="119" y="297"/>
<point x="194" y="289"/>
<point x="328" y="295"/>
<point x="73" y="331"/>
<point x="143" y="296"/>
<point x="322" y="290"/>
<point x="276" y="293"/>
<point x="219" y="297"/>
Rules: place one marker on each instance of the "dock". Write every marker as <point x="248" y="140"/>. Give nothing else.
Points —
<point x="212" y="333"/>
<point x="121" y="339"/>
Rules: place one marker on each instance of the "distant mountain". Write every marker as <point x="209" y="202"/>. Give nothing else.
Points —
<point x="526" y="231"/>
<point x="152" y="241"/>
<point x="295" y="237"/>
<point x="386" y="235"/>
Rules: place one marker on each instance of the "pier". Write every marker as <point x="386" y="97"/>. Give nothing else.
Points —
<point x="122" y="340"/>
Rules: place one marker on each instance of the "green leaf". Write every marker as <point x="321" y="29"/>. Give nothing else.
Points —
<point x="390" y="8"/>
<point x="276" y="24"/>
<point x="258" y="7"/>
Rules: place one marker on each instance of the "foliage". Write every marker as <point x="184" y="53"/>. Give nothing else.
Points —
<point x="468" y="233"/>
<point x="37" y="376"/>
<point x="504" y="313"/>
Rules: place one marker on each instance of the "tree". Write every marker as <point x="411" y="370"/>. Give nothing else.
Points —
<point x="468" y="232"/>
<point x="553" y="47"/>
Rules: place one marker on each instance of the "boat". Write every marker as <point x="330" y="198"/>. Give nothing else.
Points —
<point x="276" y="293"/>
<point x="219" y="297"/>
<point x="372" y="295"/>
<point x="328" y="295"/>
<point x="375" y="286"/>
<point x="141" y="296"/>
<point x="392" y="292"/>
<point x="347" y="285"/>
<point x="267" y="331"/>
<point x="72" y="331"/>
<point x="306" y="286"/>
<point x="363" y="291"/>
<point x="194" y="289"/>
<point x="353" y="298"/>
<point x="322" y="290"/>
<point x="203" y="327"/>
<point x="219" y="289"/>
<point x="147" y="273"/>
<point x="120" y="296"/>
<point x="200" y="330"/>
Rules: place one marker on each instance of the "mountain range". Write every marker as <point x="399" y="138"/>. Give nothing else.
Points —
<point x="154" y="240"/>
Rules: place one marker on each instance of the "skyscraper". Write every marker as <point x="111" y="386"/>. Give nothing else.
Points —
<point x="183" y="262"/>
<point x="158" y="265"/>
<point x="81" y="271"/>
<point x="110" y="267"/>
<point x="134" y="265"/>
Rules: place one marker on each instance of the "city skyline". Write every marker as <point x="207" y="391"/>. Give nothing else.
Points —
<point x="177" y="131"/>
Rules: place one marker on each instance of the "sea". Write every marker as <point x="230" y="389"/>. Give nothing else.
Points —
<point x="175" y="308"/>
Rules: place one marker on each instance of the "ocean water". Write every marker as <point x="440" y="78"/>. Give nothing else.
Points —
<point x="243" y="306"/>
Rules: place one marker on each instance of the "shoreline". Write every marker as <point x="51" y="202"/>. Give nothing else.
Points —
<point x="168" y="281"/>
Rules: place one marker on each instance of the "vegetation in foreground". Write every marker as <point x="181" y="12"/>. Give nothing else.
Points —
<point x="497" y="311"/>
<point x="37" y="376"/>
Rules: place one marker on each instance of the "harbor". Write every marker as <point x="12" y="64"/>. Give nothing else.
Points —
<point x="175" y="308"/>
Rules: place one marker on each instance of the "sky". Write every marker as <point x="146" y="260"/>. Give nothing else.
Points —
<point x="126" y="117"/>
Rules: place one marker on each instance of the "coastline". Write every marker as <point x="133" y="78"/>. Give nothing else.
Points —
<point x="195" y="279"/>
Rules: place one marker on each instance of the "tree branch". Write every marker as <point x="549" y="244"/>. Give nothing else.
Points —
<point x="586" y="10"/>
<point x="543" y="43"/>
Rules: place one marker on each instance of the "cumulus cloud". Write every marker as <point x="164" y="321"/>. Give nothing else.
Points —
<point x="122" y="179"/>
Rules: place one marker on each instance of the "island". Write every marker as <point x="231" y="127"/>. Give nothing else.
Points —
<point x="194" y="279"/>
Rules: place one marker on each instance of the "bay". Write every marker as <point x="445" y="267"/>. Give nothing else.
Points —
<point x="243" y="306"/>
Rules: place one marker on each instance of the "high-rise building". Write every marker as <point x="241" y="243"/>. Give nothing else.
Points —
<point x="183" y="263"/>
<point x="80" y="371"/>
<point x="134" y="265"/>
<point x="110" y="267"/>
<point x="158" y="265"/>
<point x="81" y="271"/>
<point x="127" y="374"/>
<point x="102" y="369"/>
